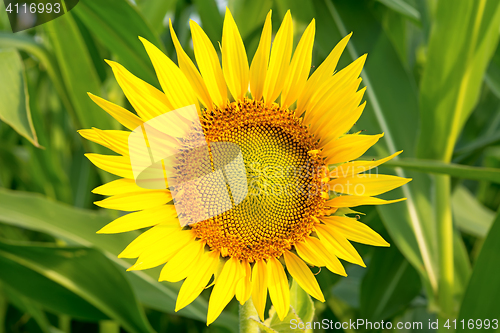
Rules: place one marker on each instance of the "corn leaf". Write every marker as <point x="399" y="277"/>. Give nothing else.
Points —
<point x="15" y="108"/>
<point x="389" y="285"/>
<point x="77" y="281"/>
<point x="460" y="48"/>
<point x="118" y="25"/>
<point x="482" y="294"/>
<point x="78" y="227"/>
<point x="78" y="72"/>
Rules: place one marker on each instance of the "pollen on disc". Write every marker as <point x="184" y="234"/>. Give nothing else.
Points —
<point x="282" y="186"/>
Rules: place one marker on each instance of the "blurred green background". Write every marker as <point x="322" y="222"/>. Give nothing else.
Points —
<point x="433" y="77"/>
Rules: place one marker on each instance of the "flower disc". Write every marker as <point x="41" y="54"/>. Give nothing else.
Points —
<point x="284" y="185"/>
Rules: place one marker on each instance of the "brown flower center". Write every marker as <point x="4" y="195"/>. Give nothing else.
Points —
<point x="283" y="181"/>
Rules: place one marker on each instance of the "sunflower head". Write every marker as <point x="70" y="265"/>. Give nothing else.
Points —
<point x="259" y="173"/>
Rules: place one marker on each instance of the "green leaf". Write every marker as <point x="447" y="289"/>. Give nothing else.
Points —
<point x="78" y="227"/>
<point x="461" y="265"/>
<point x="418" y="318"/>
<point x="403" y="8"/>
<point x="4" y="305"/>
<point x="479" y="144"/>
<point x="249" y="15"/>
<point x="469" y="214"/>
<point x="211" y="19"/>
<point x="460" y="47"/>
<point x="301" y="302"/>
<point x="79" y="77"/>
<point x="4" y="19"/>
<point x="302" y="14"/>
<point x="80" y="282"/>
<point x="78" y="73"/>
<point x="289" y="324"/>
<point x="28" y="44"/>
<point x="155" y="11"/>
<point x="389" y="285"/>
<point x="263" y="328"/>
<point x="483" y="292"/>
<point x="347" y="290"/>
<point x="28" y="306"/>
<point x="492" y="76"/>
<point x="463" y="38"/>
<point x="396" y="28"/>
<point x="454" y="170"/>
<point x="117" y="25"/>
<point x="15" y="109"/>
<point x="488" y="193"/>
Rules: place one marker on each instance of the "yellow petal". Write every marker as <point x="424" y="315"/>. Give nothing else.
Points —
<point x="324" y="255"/>
<point x="163" y="250"/>
<point x="354" y="230"/>
<point x="117" y="140"/>
<point x="91" y="135"/>
<point x="302" y="274"/>
<point x="182" y="263"/>
<point x="258" y="69"/>
<point x="147" y="238"/>
<point x="173" y="82"/>
<point x="308" y="255"/>
<point x="145" y="218"/>
<point x="344" y="123"/>
<point x="321" y="74"/>
<point x="118" y="186"/>
<point x="299" y="67"/>
<point x="329" y="104"/>
<point x="195" y="283"/>
<point x="209" y="65"/>
<point x="277" y="283"/>
<point x="217" y="272"/>
<point x="339" y="245"/>
<point x="224" y="289"/>
<point x="349" y="147"/>
<point x="353" y="168"/>
<point x="330" y="127"/>
<point x="147" y="101"/>
<point x="343" y="105"/>
<point x="279" y="62"/>
<point x="335" y="91"/>
<point x="129" y="202"/>
<point x="123" y="116"/>
<point x="191" y="72"/>
<point x="117" y="165"/>
<point x="244" y="287"/>
<point x="259" y="287"/>
<point x="234" y="58"/>
<point x="354" y="201"/>
<point x="367" y="184"/>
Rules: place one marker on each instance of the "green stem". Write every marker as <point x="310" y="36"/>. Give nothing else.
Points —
<point x="65" y="323"/>
<point x="445" y="246"/>
<point x="3" y="312"/>
<point x="247" y="311"/>
<point x="109" y="326"/>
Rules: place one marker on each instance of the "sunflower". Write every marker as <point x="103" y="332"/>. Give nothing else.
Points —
<point x="298" y="162"/>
